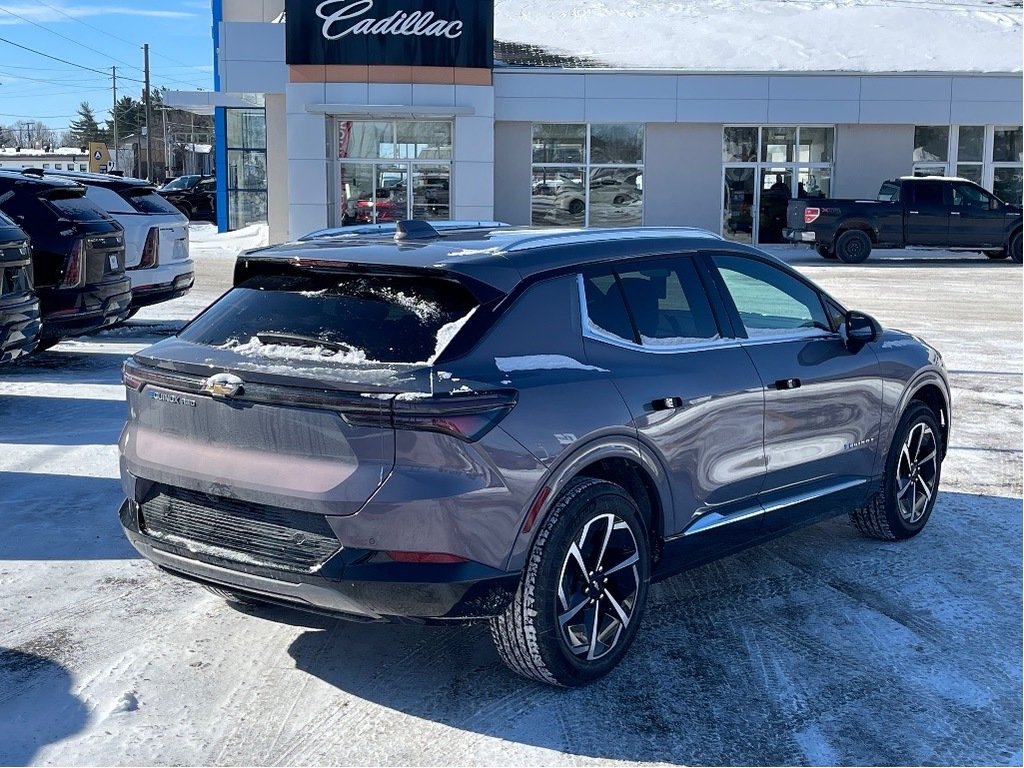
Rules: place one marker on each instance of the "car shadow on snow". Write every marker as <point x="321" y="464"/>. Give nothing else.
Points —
<point x="77" y="366"/>
<point x="37" y="706"/>
<point x="60" y="420"/>
<point x="61" y="517"/>
<point x="823" y="647"/>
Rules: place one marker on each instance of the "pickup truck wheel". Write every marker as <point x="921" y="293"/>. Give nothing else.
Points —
<point x="853" y="247"/>
<point x="1014" y="248"/>
<point x="825" y="252"/>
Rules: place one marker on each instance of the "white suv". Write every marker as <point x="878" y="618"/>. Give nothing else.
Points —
<point x="155" y="235"/>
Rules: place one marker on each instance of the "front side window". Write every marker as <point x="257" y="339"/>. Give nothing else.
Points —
<point x="587" y="175"/>
<point x="769" y="301"/>
<point x="968" y="196"/>
<point x="657" y="304"/>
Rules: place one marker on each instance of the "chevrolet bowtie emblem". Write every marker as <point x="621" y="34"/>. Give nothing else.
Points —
<point x="223" y="385"/>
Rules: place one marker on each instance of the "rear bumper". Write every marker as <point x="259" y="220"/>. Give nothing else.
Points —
<point x="19" y="328"/>
<point x="346" y="585"/>
<point x="799" y="235"/>
<point x="148" y="295"/>
<point x="74" y="312"/>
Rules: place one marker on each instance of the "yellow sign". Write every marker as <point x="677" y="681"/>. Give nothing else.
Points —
<point x="99" y="158"/>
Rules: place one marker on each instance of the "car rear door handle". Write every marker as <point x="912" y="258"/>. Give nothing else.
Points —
<point x="954" y="213"/>
<point x="787" y="384"/>
<point x="667" y="403"/>
<point x="915" y="213"/>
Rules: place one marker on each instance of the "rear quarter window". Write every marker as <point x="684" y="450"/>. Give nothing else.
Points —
<point x="344" y="318"/>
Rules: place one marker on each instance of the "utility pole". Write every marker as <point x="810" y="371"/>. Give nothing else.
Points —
<point x="167" y="154"/>
<point x="117" y="157"/>
<point x="149" y="118"/>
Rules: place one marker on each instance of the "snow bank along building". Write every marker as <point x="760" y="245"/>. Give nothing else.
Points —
<point x="578" y="112"/>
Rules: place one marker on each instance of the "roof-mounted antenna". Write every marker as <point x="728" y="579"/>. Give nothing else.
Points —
<point x="415" y="229"/>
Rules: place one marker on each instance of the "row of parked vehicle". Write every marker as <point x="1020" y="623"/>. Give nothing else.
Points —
<point x="80" y="252"/>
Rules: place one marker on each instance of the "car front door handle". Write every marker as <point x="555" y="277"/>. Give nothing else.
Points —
<point x="667" y="403"/>
<point x="787" y="384"/>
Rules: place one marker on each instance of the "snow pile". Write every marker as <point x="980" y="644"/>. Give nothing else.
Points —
<point x="543" y="363"/>
<point x="205" y="242"/>
<point x="772" y="35"/>
<point x="256" y="348"/>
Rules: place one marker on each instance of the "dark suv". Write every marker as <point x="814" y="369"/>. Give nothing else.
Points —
<point x="195" y="196"/>
<point x="19" y="305"/>
<point x="77" y="254"/>
<point x="526" y="427"/>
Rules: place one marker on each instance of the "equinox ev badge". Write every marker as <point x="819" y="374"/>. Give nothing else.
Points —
<point x="223" y="385"/>
<point x="164" y="397"/>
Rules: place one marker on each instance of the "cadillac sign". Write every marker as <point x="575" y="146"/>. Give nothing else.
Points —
<point x="423" y="33"/>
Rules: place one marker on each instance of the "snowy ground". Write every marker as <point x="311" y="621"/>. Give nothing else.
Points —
<point x="820" y="648"/>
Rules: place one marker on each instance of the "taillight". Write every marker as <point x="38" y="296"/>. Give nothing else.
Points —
<point x="810" y="214"/>
<point x="74" y="267"/>
<point x="151" y="249"/>
<point x="467" y="417"/>
<point x="130" y="378"/>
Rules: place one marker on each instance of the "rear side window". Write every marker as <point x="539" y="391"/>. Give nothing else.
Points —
<point x="927" y="193"/>
<point x="334" y="318"/>
<point x="890" y="192"/>
<point x="657" y="304"/>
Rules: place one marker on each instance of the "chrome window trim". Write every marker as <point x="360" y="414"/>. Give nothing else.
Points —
<point x="594" y="333"/>
<point x="782" y="339"/>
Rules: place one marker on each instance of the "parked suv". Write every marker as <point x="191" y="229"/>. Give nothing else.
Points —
<point x="521" y="426"/>
<point x="19" y="305"/>
<point x="195" y="196"/>
<point x="155" y="235"/>
<point x="77" y="254"/>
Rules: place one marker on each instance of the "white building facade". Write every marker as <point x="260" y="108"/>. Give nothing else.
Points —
<point x="418" y="121"/>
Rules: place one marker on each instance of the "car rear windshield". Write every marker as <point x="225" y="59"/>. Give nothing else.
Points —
<point x="73" y="205"/>
<point x="146" y="200"/>
<point x="330" y="318"/>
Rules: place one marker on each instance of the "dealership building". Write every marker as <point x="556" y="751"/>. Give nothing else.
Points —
<point x="335" y="112"/>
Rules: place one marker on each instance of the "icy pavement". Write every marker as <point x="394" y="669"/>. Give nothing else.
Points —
<point x="820" y="648"/>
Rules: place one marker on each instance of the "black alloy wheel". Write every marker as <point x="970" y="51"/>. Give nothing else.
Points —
<point x="1014" y="248"/>
<point x="853" y="246"/>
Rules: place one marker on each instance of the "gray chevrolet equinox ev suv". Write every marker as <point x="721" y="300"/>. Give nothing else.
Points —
<point x="526" y="427"/>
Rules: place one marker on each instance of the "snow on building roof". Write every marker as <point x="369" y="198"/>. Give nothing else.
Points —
<point x="763" y="35"/>
<point x="30" y="152"/>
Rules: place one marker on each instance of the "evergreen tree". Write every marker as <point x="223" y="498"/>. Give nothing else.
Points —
<point x="130" y="118"/>
<point x="85" y="128"/>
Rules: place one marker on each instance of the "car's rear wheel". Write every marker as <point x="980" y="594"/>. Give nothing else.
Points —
<point x="186" y="210"/>
<point x="853" y="246"/>
<point x="910" y="485"/>
<point x="825" y="251"/>
<point x="583" y="591"/>
<point x="575" y="207"/>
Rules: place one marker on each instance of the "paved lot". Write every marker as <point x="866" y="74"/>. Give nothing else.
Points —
<point x="820" y="648"/>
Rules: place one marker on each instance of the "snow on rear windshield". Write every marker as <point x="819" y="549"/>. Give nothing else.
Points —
<point x="345" y="320"/>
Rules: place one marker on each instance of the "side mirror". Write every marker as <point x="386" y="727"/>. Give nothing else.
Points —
<point x="859" y="329"/>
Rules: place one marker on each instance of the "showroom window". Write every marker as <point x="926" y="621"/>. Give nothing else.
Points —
<point x="763" y="168"/>
<point x="390" y="170"/>
<point x="247" y="167"/>
<point x="587" y="175"/>
<point x="987" y="155"/>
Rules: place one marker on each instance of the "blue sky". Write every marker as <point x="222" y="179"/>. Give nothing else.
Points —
<point x="97" y="35"/>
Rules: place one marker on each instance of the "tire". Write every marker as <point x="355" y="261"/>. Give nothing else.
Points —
<point x="1014" y="247"/>
<point x="44" y="344"/>
<point x="913" y="468"/>
<point x="231" y="597"/>
<point x="825" y="252"/>
<point x="561" y="581"/>
<point x="620" y="200"/>
<point x="576" y="207"/>
<point x="853" y="246"/>
<point x="185" y="210"/>
<point x="996" y="255"/>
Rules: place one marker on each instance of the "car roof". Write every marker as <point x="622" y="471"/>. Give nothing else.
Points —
<point x="500" y="257"/>
<point x="115" y="183"/>
<point x="36" y="178"/>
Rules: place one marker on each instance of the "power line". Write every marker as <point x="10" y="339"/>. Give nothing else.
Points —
<point x="62" y="61"/>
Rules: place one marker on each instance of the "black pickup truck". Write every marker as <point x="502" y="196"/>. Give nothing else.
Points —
<point x="912" y="211"/>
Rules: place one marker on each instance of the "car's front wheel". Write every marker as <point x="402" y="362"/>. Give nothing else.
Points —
<point x="583" y="591"/>
<point x="910" y="485"/>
